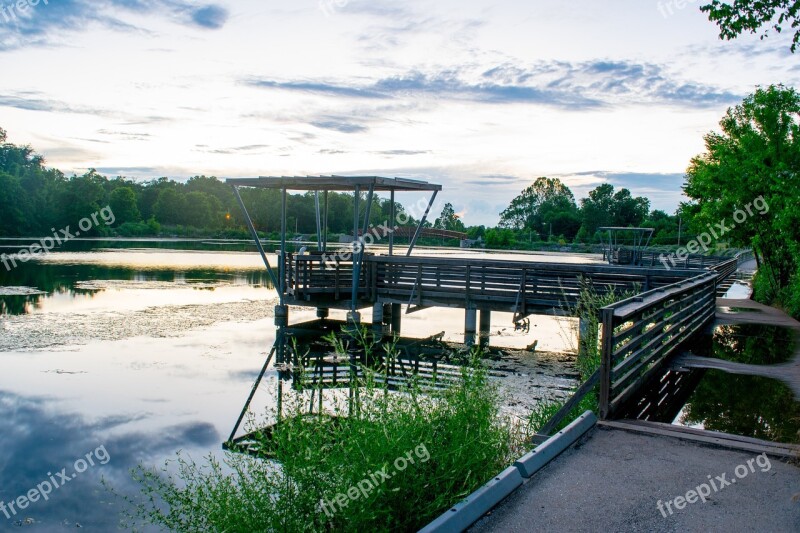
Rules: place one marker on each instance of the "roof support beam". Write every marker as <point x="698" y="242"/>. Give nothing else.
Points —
<point x="421" y="223"/>
<point x="254" y="234"/>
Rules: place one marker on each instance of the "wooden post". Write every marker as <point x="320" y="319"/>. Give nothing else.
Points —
<point x="397" y="318"/>
<point x="485" y="325"/>
<point x="470" y="323"/>
<point x="606" y="362"/>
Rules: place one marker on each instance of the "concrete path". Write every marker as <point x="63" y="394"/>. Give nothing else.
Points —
<point x="613" y="479"/>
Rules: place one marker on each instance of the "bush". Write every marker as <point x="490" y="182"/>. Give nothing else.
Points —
<point x="317" y="457"/>
<point x="787" y="298"/>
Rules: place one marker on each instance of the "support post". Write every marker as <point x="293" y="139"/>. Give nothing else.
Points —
<point x="397" y="318"/>
<point x="392" y="223"/>
<point x="485" y="326"/>
<point x="325" y="232"/>
<point x="358" y="260"/>
<point x="421" y="223"/>
<point x="387" y="317"/>
<point x="282" y="269"/>
<point x="606" y="360"/>
<point x="319" y="220"/>
<point x="354" y="292"/>
<point x="470" y="326"/>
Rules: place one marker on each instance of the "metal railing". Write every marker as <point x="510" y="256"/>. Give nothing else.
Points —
<point x="640" y="332"/>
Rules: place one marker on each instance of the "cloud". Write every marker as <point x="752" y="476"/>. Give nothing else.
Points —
<point x="232" y="150"/>
<point x="664" y="190"/>
<point x="566" y="85"/>
<point x="212" y="17"/>
<point x="402" y="152"/>
<point x="125" y="135"/>
<point x="342" y="127"/>
<point x="323" y="88"/>
<point x="43" y="24"/>
<point x="29" y="453"/>
<point x="30" y="103"/>
<point x="495" y="179"/>
<point x="127" y="171"/>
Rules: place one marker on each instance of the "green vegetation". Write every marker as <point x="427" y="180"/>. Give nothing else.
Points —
<point x="587" y="310"/>
<point x="317" y="457"/>
<point x="755" y="159"/>
<point x="548" y="209"/>
<point x="751" y="15"/>
<point x="34" y="198"/>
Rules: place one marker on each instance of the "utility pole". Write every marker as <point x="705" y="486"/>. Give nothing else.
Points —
<point x="680" y="224"/>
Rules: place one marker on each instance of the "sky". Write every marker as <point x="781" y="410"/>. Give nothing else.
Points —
<point x="480" y="96"/>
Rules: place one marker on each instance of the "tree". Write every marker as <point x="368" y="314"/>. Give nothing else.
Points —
<point x="449" y="220"/>
<point x="80" y="198"/>
<point x="604" y="207"/>
<point x="499" y="238"/>
<point x="751" y="15"/>
<point x="629" y="211"/>
<point x="170" y="207"/>
<point x="123" y="203"/>
<point x="547" y="202"/>
<point x="748" y="180"/>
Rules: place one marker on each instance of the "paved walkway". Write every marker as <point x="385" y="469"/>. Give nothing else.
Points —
<point x="613" y="479"/>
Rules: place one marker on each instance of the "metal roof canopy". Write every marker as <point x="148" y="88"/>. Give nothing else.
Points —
<point x="326" y="184"/>
<point x="335" y="183"/>
<point x="640" y="241"/>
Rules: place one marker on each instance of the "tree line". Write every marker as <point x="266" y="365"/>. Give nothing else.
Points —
<point x="34" y="199"/>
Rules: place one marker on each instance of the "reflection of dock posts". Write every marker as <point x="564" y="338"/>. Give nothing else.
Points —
<point x="379" y="317"/>
<point x="397" y="318"/>
<point x="470" y="326"/>
<point x="484" y="327"/>
<point x="281" y="322"/>
<point x="387" y="319"/>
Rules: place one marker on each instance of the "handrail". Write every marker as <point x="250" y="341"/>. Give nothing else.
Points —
<point x="640" y="332"/>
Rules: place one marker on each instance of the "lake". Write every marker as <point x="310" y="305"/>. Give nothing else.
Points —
<point x="125" y="352"/>
<point x="118" y="353"/>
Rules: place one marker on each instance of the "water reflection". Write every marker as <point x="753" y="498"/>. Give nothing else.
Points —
<point x="733" y="402"/>
<point x="37" y="442"/>
<point x="148" y="351"/>
<point x="82" y="277"/>
<point x="743" y="405"/>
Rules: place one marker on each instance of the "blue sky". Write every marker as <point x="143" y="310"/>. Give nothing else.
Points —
<point x="480" y="96"/>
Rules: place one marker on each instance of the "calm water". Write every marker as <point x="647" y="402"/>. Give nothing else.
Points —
<point x="145" y="348"/>
<point x="749" y="405"/>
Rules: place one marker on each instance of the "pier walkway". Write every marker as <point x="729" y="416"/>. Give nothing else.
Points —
<point x="615" y="477"/>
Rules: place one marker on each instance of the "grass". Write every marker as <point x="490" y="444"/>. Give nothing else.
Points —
<point x="460" y="429"/>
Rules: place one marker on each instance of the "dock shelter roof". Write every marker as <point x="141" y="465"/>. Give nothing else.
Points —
<point x="335" y="183"/>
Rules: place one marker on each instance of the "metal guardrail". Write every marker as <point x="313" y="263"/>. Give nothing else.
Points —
<point x="640" y="332"/>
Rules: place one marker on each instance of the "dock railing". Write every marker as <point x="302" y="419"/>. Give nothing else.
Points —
<point x="516" y="286"/>
<point x="640" y="332"/>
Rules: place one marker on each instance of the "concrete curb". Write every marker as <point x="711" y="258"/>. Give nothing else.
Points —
<point x="533" y="461"/>
<point x="468" y="511"/>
